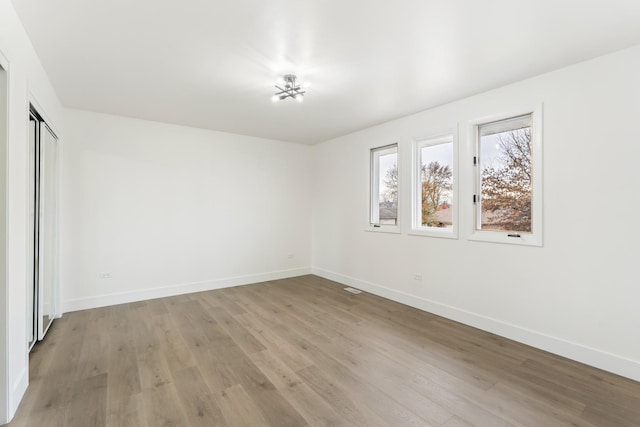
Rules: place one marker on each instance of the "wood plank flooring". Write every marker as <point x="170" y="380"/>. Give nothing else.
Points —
<point x="303" y="352"/>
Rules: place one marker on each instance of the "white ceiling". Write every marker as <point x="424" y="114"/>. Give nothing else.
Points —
<point x="213" y="63"/>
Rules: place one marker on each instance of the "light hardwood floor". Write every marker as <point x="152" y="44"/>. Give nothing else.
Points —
<point x="300" y="352"/>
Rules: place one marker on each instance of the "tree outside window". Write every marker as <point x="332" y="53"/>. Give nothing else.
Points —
<point x="505" y="169"/>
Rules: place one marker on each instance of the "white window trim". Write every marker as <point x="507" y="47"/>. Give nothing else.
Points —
<point x="535" y="238"/>
<point x="373" y="189"/>
<point x="416" y="228"/>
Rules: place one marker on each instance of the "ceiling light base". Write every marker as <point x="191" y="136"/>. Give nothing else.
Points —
<point x="290" y="89"/>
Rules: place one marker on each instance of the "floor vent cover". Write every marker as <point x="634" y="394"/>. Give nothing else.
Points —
<point x="353" y="290"/>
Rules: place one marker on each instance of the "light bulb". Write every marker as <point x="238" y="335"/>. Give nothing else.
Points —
<point x="299" y="97"/>
<point x="275" y="98"/>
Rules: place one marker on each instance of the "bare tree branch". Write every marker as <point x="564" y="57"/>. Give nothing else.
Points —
<point x="506" y="189"/>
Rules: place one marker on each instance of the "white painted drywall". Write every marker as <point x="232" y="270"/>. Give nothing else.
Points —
<point x="168" y="209"/>
<point x="4" y="99"/>
<point x="27" y="82"/>
<point x="578" y="295"/>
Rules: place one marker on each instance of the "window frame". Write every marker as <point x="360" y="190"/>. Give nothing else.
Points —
<point x="535" y="238"/>
<point x="417" y="229"/>
<point x="374" y="193"/>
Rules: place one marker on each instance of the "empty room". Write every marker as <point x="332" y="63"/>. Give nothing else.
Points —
<point x="319" y="213"/>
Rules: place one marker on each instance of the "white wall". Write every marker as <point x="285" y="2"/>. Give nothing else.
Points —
<point x="576" y="296"/>
<point x="4" y="99"/>
<point x="168" y="209"/>
<point x="27" y="82"/>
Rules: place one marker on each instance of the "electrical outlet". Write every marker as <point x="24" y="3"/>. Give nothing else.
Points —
<point x="417" y="276"/>
<point x="104" y="275"/>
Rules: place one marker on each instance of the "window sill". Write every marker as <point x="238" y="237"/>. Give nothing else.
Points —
<point x="502" y="237"/>
<point x="435" y="232"/>
<point x="391" y="229"/>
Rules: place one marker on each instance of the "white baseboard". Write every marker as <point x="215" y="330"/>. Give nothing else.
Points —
<point x="578" y="352"/>
<point x="180" y="289"/>
<point x="18" y="390"/>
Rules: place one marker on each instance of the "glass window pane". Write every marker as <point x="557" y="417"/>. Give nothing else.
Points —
<point x="505" y="175"/>
<point x="384" y="186"/>
<point x="436" y="185"/>
<point x="388" y="188"/>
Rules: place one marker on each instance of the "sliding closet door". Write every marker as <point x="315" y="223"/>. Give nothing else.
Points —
<point x="48" y="233"/>
<point x="34" y="224"/>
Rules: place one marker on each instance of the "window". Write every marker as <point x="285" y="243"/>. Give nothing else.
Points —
<point x="433" y="212"/>
<point x="384" y="188"/>
<point x="508" y="180"/>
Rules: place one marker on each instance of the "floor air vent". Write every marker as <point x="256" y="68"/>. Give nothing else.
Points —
<point x="353" y="290"/>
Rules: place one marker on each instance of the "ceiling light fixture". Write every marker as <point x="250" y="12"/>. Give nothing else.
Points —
<point x="289" y="88"/>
